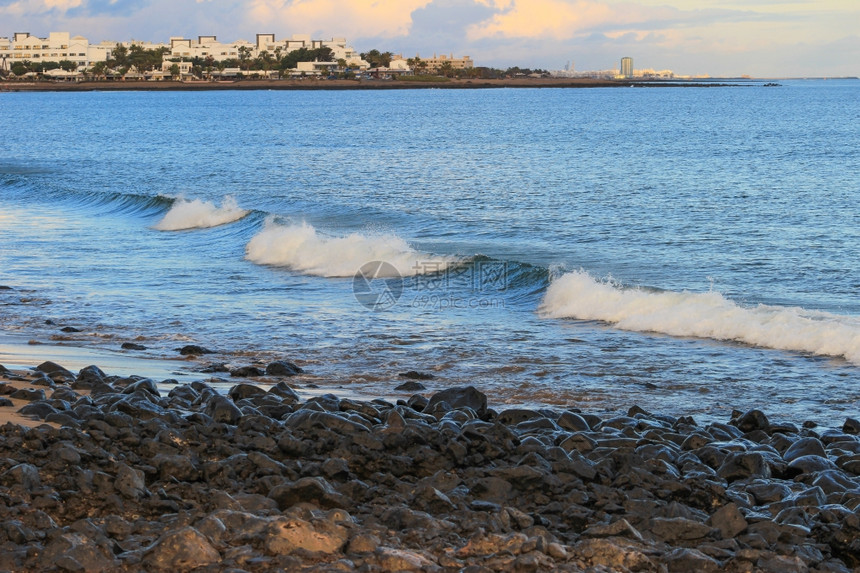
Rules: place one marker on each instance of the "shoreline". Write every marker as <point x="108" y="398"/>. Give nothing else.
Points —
<point x="112" y="473"/>
<point x="319" y="84"/>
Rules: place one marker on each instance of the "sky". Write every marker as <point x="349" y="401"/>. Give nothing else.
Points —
<point x="721" y="38"/>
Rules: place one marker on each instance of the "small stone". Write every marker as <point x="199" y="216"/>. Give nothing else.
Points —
<point x="729" y="520"/>
<point x="683" y="560"/>
<point x="309" y="489"/>
<point x="284" y="536"/>
<point x="401" y="560"/>
<point x="130" y="482"/>
<point x="674" y="529"/>
<point x="69" y="329"/>
<point x="25" y="475"/>
<point x="181" y="550"/>
<point x="132" y="346"/>
<point x="620" y="528"/>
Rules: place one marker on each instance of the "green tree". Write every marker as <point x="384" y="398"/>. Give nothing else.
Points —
<point x="98" y="69"/>
<point x="20" y="68"/>
<point x="68" y="65"/>
<point x="290" y="61"/>
<point x="446" y="69"/>
<point x="377" y="59"/>
<point x="174" y="71"/>
<point x="119" y="57"/>
<point x="244" y="57"/>
<point x="264" y="61"/>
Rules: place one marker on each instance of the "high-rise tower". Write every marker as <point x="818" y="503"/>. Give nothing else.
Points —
<point x="627" y="67"/>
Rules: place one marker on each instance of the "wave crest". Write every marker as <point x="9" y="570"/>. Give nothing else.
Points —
<point x="301" y="248"/>
<point x="198" y="214"/>
<point x="703" y="315"/>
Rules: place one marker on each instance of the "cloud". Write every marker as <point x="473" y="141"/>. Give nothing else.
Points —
<point x="548" y="18"/>
<point x="62" y="5"/>
<point x="386" y="18"/>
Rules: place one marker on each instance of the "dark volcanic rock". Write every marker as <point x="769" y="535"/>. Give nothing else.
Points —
<point x="182" y="550"/>
<point x="38" y="410"/>
<point x="753" y="420"/>
<point x="69" y="329"/>
<point x="55" y="371"/>
<point x="261" y="481"/>
<point x="410" y="386"/>
<point x="314" y="490"/>
<point x="222" y="409"/>
<point x="132" y="346"/>
<point x="283" y="390"/>
<point x="282" y="368"/>
<point x="851" y="426"/>
<point x="74" y="551"/>
<point x="242" y="391"/>
<point x="89" y="377"/>
<point x="28" y="394"/>
<point x="194" y="350"/>
<point x="742" y="465"/>
<point x="415" y="375"/>
<point x="246" y="372"/>
<point x="461" y="397"/>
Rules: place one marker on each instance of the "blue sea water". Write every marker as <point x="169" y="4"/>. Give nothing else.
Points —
<point x="689" y="250"/>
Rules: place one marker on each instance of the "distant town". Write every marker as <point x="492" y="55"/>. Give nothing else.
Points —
<point x="61" y="57"/>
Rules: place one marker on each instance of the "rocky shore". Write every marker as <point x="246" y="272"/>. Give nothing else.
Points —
<point x="111" y="474"/>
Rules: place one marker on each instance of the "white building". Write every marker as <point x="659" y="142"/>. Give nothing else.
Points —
<point x="57" y="47"/>
<point x="209" y="46"/>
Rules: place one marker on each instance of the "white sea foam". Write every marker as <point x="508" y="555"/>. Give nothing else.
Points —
<point x="302" y="249"/>
<point x="704" y="315"/>
<point x="198" y="214"/>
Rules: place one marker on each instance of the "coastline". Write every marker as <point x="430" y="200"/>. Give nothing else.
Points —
<point x="110" y="473"/>
<point x="319" y="84"/>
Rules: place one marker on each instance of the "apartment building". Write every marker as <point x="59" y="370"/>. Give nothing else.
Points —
<point x="435" y="63"/>
<point x="57" y="47"/>
<point x="206" y="46"/>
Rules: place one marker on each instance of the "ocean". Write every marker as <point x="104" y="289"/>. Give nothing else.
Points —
<point x="688" y="250"/>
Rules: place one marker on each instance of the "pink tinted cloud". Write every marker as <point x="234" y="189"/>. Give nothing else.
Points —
<point x="353" y="18"/>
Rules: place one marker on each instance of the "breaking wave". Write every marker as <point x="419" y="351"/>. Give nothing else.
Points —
<point x="703" y="315"/>
<point x="301" y="248"/>
<point x="198" y="214"/>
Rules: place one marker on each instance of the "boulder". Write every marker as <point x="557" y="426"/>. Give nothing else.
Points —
<point x="181" y="550"/>
<point x="284" y="536"/>
<point x="314" y="490"/>
<point x="282" y="368"/>
<point x="461" y="397"/>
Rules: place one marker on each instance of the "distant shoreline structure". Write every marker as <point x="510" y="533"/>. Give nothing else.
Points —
<point x="364" y="84"/>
